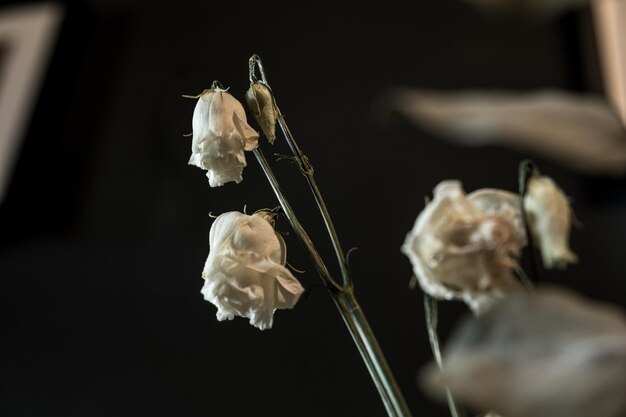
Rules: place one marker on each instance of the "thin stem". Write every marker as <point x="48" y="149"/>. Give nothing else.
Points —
<point x="342" y="295"/>
<point x="371" y="353"/>
<point x="431" y="310"/>
<point x="527" y="170"/>
<point x="526" y="282"/>
<point x="307" y="170"/>
<point x="349" y="308"/>
<point x="295" y="223"/>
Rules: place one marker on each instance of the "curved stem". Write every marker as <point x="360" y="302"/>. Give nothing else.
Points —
<point x="527" y="169"/>
<point x="295" y="223"/>
<point x="349" y="308"/>
<point x="307" y="170"/>
<point x="431" y="310"/>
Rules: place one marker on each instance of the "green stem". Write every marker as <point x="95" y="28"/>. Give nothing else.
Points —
<point x="431" y="310"/>
<point x="527" y="170"/>
<point x="307" y="170"/>
<point x="349" y="309"/>
<point x="371" y="353"/>
<point x="305" y="240"/>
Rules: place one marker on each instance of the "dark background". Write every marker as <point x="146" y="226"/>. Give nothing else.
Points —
<point x="104" y="231"/>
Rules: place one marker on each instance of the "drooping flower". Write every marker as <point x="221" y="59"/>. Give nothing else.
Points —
<point x="460" y="250"/>
<point x="221" y="134"/>
<point x="550" y="217"/>
<point x="547" y="353"/>
<point x="244" y="273"/>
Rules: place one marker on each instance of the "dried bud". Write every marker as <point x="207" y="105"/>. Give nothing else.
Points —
<point x="261" y="103"/>
<point x="550" y="218"/>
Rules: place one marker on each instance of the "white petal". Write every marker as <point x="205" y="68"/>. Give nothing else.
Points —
<point x="547" y="354"/>
<point x="245" y="273"/>
<point x="579" y="131"/>
<point x="459" y="251"/>
<point x="220" y="136"/>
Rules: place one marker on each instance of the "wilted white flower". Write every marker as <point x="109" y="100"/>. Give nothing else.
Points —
<point x="245" y="273"/>
<point x="220" y="136"/>
<point x="549" y="217"/>
<point x="547" y="353"/>
<point x="462" y="251"/>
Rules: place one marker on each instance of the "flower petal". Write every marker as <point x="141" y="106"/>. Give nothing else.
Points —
<point x="245" y="273"/>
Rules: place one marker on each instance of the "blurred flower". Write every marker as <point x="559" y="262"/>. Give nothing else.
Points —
<point x="220" y="136"/>
<point x="581" y="132"/>
<point x="548" y="353"/>
<point x="460" y="251"/>
<point x="245" y="273"/>
<point x="550" y="217"/>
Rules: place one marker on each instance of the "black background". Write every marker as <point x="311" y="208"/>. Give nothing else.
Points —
<point x="104" y="231"/>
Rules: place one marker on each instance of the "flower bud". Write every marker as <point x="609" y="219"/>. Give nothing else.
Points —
<point x="261" y="103"/>
<point x="549" y="218"/>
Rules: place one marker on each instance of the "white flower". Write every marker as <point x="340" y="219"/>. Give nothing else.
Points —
<point x="547" y="353"/>
<point x="549" y="217"/>
<point x="220" y="136"/>
<point x="245" y="273"/>
<point x="462" y="250"/>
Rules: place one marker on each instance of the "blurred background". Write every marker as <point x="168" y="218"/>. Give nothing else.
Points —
<point x="104" y="226"/>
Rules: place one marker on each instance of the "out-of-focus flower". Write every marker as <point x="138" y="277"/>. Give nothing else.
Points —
<point x="578" y="131"/>
<point x="220" y="136"/>
<point x="245" y="273"/>
<point x="460" y="251"/>
<point x="550" y="217"/>
<point x="261" y="103"/>
<point x="547" y="353"/>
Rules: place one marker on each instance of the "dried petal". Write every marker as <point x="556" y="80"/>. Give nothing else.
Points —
<point x="221" y="134"/>
<point x="582" y="132"/>
<point x="459" y="251"/>
<point x="244" y="273"/>
<point x="548" y="353"/>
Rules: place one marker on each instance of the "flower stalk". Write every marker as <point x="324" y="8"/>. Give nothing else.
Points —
<point x="341" y="293"/>
<point x="431" y="310"/>
<point x="307" y="170"/>
<point x="527" y="170"/>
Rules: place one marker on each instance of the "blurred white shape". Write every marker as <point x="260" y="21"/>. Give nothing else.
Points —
<point x="610" y="29"/>
<point x="460" y="252"/>
<point x="525" y="7"/>
<point x="549" y="353"/>
<point x="29" y="33"/>
<point x="579" y="131"/>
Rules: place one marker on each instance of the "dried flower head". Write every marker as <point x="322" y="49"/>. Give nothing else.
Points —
<point x="460" y="250"/>
<point x="221" y="134"/>
<point x="244" y="273"/>
<point x="260" y="102"/>
<point x="549" y="217"/>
